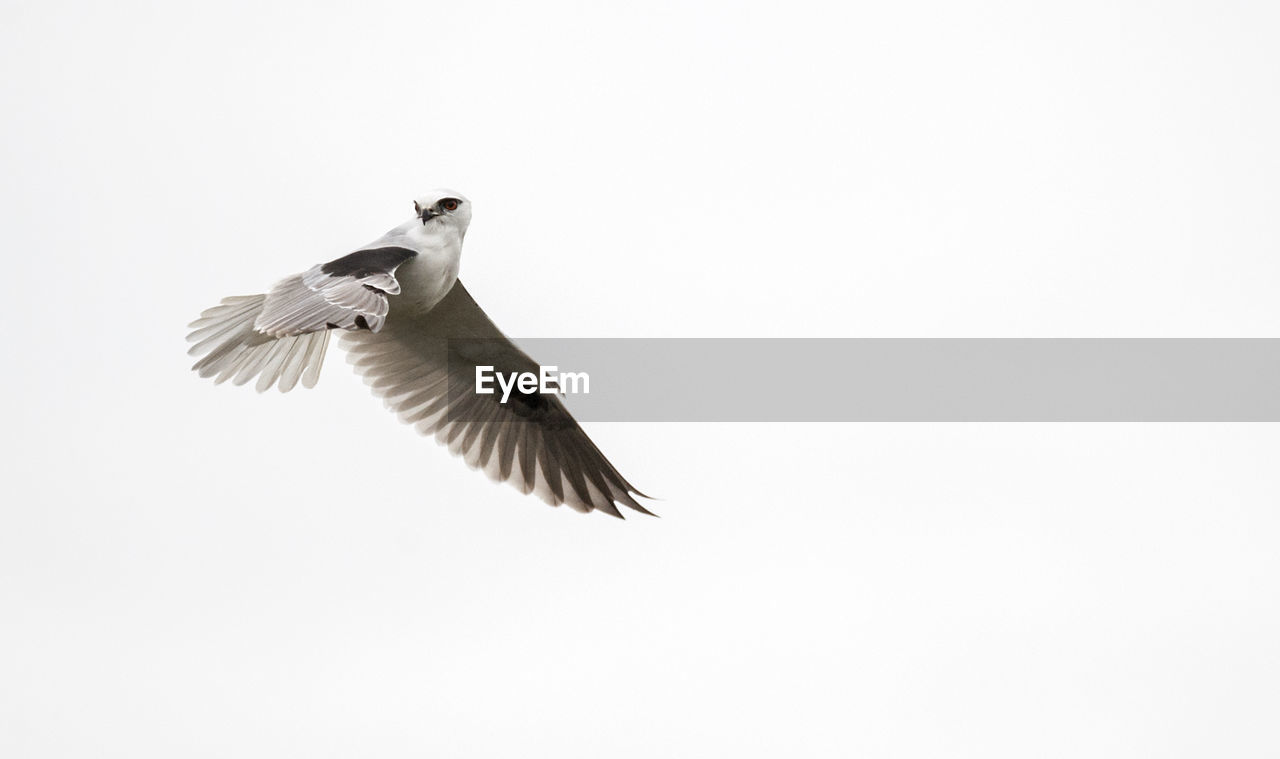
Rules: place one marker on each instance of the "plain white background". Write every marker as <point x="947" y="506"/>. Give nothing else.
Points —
<point x="200" y="571"/>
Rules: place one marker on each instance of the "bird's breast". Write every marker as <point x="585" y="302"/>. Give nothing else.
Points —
<point x="426" y="278"/>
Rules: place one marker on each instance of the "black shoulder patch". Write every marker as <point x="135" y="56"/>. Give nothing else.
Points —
<point x="361" y="322"/>
<point x="362" y="263"/>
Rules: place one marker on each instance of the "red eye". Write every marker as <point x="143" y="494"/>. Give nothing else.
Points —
<point x="449" y="204"/>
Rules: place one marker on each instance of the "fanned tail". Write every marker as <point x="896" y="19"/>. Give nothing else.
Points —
<point x="232" y="349"/>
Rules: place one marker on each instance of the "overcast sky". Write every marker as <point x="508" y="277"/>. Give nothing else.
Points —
<point x="200" y="571"/>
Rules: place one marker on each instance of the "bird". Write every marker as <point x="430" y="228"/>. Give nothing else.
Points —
<point x="416" y="336"/>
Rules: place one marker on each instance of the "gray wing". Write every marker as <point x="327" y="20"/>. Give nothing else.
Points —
<point x="348" y="293"/>
<point x="281" y="337"/>
<point x="424" y="369"/>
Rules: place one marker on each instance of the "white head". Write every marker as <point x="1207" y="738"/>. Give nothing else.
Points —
<point x="444" y="207"/>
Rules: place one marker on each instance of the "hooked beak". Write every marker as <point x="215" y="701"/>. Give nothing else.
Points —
<point x="429" y="214"/>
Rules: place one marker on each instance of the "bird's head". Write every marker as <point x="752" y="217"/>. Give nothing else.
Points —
<point x="444" y="207"/>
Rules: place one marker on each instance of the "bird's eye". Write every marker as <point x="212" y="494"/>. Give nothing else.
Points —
<point x="449" y="204"/>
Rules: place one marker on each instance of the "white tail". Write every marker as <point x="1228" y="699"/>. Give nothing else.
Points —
<point x="234" y="350"/>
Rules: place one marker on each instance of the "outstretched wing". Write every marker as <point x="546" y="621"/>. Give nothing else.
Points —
<point x="281" y="337"/>
<point x="424" y="369"/>
<point x="347" y="293"/>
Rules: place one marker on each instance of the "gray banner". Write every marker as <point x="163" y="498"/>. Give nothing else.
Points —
<point x="913" y="380"/>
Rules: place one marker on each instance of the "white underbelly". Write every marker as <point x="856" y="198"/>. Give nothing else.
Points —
<point x="424" y="281"/>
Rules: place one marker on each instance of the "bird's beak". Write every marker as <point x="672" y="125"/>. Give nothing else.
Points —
<point x="428" y="215"/>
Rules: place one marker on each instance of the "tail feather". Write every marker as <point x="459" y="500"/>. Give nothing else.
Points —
<point x="232" y="349"/>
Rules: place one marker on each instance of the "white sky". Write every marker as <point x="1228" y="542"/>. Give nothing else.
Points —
<point x="189" y="570"/>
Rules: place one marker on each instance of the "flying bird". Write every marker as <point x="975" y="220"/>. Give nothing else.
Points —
<point x="415" y="335"/>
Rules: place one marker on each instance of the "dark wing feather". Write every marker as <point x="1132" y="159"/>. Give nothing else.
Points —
<point x="423" y="366"/>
